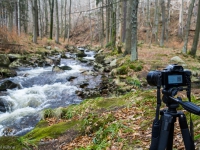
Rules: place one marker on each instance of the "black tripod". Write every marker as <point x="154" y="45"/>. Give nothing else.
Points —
<point x="164" y="140"/>
<point x="163" y="128"/>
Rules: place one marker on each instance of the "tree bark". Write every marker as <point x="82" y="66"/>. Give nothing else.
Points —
<point x="51" y="4"/>
<point x="155" y="26"/>
<point x="180" y="27"/>
<point x="128" y="28"/>
<point x="184" y="50"/>
<point x="196" y="36"/>
<point x="69" y="26"/>
<point x="163" y="23"/>
<point x="134" y="53"/>
<point x="57" y="23"/>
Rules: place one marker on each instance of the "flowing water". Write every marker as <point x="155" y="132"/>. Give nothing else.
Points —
<point x="40" y="89"/>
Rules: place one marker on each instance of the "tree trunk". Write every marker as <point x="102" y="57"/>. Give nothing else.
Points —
<point x="155" y="26"/>
<point x="34" y="11"/>
<point x="102" y="18"/>
<point x="180" y="29"/>
<point x="69" y="26"/>
<point x="188" y="26"/>
<point x="168" y="19"/>
<point x="19" y="18"/>
<point x="91" y="36"/>
<point x="134" y="53"/>
<point x="65" y="21"/>
<point x="128" y="28"/>
<point x="124" y="20"/>
<point x="46" y="18"/>
<point x="57" y="23"/>
<point x="107" y="21"/>
<point x="16" y="16"/>
<point x="163" y="23"/>
<point x="196" y="36"/>
<point x="51" y="4"/>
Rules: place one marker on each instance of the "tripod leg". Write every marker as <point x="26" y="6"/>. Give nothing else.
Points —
<point x="167" y="122"/>
<point x="189" y="143"/>
<point x="155" y="135"/>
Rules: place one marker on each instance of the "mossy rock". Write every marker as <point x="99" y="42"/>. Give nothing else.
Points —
<point x="122" y="70"/>
<point x="6" y="72"/>
<point x="20" y="63"/>
<point x="4" y="60"/>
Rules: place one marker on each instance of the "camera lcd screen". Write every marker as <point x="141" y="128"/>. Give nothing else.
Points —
<point x="175" y="79"/>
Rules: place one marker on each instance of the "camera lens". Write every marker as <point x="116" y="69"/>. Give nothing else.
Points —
<point x="152" y="77"/>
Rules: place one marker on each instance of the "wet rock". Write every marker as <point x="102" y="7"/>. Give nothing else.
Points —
<point x="57" y="69"/>
<point x="84" y="84"/>
<point x="99" y="58"/>
<point x="81" y="54"/>
<point x="55" y="59"/>
<point x="14" y="57"/>
<point x="3" y="107"/>
<point x="6" y="72"/>
<point x="71" y="78"/>
<point x="20" y="63"/>
<point x="88" y="93"/>
<point x="4" y="60"/>
<point x="65" y="68"/>
<point x="8" y="85"/>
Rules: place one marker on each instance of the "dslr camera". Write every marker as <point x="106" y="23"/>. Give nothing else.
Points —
<point x="172" y="76"/>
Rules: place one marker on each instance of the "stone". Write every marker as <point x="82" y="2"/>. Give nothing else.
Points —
<point x="65" y="68"/>
<point x="8" y="85"/>
<point x="57" y="69"/>
<point x="19" y="63"/>
<point x="99" y="58"/>
<point x="177" y="59"/>
<point x="4" y="60"/>
<point x="6" y="72"/>
<point x="113" y="63"/>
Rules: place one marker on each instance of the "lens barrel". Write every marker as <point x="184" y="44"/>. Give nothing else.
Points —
<point x="152" y="77"/>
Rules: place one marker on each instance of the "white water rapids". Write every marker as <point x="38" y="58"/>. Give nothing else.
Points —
<point x="42" y="88"/>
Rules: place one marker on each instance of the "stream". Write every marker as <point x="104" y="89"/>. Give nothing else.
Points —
<point x="41" y="88"/>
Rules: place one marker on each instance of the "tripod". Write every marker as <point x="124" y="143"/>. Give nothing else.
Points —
<point x="163" y="130"/>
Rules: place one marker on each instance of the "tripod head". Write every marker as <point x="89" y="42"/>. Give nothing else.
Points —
<point x="173" y="103"/>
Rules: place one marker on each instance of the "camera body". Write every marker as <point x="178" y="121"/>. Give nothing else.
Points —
<point x="172" y="76"/>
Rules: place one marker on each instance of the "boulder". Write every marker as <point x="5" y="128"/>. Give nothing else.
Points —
<point x="20" y="63"/>
<point x="8" y="85"/>
<point x="57" y="69"/>
<point x="65" y="68"/>
<point x="6" y="72"/>
<point x="14" y="57"/>
<point x="99" y="58"/>
<point x="2" y="106"/>
<point x="177" y="59"/>
<point x="4" y="60"/>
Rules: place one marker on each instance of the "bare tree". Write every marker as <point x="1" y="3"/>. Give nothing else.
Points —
<point x="134" y="53"/>
<point x="188" y="26"/>
<point x="51" y="4"/>
<point x="128" y="28"/>
<point x="57" y="23"/>
<point x="196" y="36"/>
<point x="162" y="3"/>
<point x="35" y="25"/>
<point x="69" y="25"/>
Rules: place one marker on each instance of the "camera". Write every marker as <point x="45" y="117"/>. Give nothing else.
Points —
<point x="172" y="76"/>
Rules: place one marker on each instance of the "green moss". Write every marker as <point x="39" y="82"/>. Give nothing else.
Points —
<point x="122" y="70"/>
<point x="10" y="143"/>
<point x="52" y="131"/>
